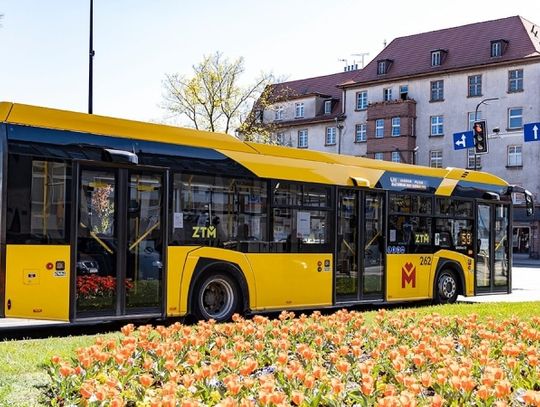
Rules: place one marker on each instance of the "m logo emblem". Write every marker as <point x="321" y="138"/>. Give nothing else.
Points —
<point x="408" y="275"/>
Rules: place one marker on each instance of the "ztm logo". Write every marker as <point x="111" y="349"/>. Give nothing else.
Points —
<point x="408" y="275"/>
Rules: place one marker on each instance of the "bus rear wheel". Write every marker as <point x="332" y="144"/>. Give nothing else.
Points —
<point x="446" y="288"/>
<point x="216" y="296"/>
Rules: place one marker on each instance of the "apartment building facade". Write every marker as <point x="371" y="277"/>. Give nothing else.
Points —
<point x="410" y="100"/>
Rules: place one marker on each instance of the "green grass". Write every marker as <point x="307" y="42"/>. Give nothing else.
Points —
<point x="23" y="379"/>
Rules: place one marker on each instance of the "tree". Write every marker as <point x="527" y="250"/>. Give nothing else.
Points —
<point x="254" y="127"/>
<point x="213" y="98"/>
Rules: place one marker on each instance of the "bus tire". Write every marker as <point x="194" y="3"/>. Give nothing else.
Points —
<point x="446" y="287"/>
<point x="216" y="296"/>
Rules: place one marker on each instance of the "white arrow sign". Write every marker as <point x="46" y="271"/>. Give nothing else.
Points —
<point x="462" y="141"/>
<point x="535" y="132"/>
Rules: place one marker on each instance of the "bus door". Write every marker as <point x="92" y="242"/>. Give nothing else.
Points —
<point x="492" y="248"/>
<point x="119" y="253"/>
<point x="360" y="246"/>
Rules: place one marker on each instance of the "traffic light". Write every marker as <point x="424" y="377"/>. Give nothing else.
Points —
<point x="480" y="137"/>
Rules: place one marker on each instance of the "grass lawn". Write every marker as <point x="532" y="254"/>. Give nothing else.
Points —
<point x="23" y="379"/>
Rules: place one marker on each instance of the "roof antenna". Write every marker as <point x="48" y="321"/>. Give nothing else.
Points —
<point x="362" y="55"/>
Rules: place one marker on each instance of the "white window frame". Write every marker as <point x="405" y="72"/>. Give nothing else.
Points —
<point x="387" y="94"/>
<point x="327" y="106"/>
<point x="496" y="49"/>
<point x="515" y="155"/>
<point x="381" y="67"/>
<point x="331" y="136"/>
<point x="280" y="139"/>
<point x="436" y="90"/>
<point x="278" y="114"/>
<point x="515" y="80"/>
<point x="436" y="126"/>
<point x="404" y="92"/>
<point x="513" y="116"/>
<point x="473" y="118"/>
<point x="302" y="138"/>
<point x="436" y="158"/>
<point x="396" y="126"/>
<point x="474" y="85"/>
<point x="396" y="157"/>
<point x="378" y="156"/>
<point x="379" y="128"/>
<point x="299" y="110"/>
<point x="360" y="134"/>
<point x="471" y="153"/>
<point x="361" y="100"/>
<point x="436" y="58"/>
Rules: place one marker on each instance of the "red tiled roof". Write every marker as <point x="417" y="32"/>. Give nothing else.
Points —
<point x="325" y="86"/>
<point x="467" y="46"/>
<point x="320" y="85"/>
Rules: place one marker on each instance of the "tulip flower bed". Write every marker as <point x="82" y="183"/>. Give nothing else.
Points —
<point x="395" y="360"/>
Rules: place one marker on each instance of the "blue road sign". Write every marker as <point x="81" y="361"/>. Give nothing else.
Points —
<point x="463" y="140"/>
<point x="531" y="131"/>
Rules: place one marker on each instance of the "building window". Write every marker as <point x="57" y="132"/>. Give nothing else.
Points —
<point x="299" y="110"/>
<point x="302" y="138"/>
<point x="515" y="118"/>
<point x="280" y="139"/>
<point x="475" y="85"/>
<point x="514" y="156"/>
<point x="437" y="126"/>
<point x="330" y="136"/>
<point x="435" y="58"/>
<point x="360" y="133"/>
<point x="381" y="67"/>
<point x="258" y="116"/>
<point x="515" y="80"/>
<point x="378" y="156"/>
<point x="396" y="156"/>
<point x="404" y="92"/>
<point x="396" y="126"/>
<point x="361" y="100"/>
<point x="387" y="94"/>
<point x="327" y="106"/>
<point x="379" y="128"/>
<point x="435" y="158"/>
<point x="498" y="47"/>
<point x="471" y="155"/>
<point x="473" y="118"/>
<point x="437" y="91"/>
<point x="278" y="114"/>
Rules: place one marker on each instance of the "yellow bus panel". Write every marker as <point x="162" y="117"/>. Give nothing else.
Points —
<point x="408" y="276"/>
<point x="292" y="280"/>
<point x="37" y="282"/>
<point x="466" y="263"/>
<point x="188" y="257"/>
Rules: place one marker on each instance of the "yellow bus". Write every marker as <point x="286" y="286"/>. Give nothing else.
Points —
<point x="105" y="219"/>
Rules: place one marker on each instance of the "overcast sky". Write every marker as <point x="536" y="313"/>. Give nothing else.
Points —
<point x="44" y="43"/>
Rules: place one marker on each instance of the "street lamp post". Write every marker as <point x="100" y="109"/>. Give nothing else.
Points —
<point x="483" y="101"/>
<point x="339" y="125"/>
<point x="91" y="60"/>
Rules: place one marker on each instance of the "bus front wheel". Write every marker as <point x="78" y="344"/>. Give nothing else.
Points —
<point x="216" y="296"/>
<point x="446" y="288"/>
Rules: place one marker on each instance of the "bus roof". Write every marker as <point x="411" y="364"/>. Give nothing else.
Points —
<point x="267" y="161"/>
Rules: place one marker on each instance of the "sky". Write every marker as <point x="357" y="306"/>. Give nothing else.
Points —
<point x="44" y="44"/>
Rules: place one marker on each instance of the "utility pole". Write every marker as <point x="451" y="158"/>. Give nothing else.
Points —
<point x="91" y="60"/>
